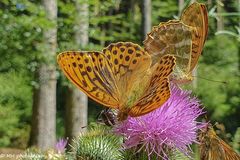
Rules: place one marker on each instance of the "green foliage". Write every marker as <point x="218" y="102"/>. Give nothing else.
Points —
<point x="104" y="27"/>
<point x="221" y="64"/>
<point x="14" y="109"/>
<point x="97" y="144"/>
<point x="236" y="140"/>
<point x="20" y="44"/>
<point x="163" y="11"/>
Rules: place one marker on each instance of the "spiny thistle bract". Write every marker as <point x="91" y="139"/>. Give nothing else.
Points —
<point x="97" y="144"/>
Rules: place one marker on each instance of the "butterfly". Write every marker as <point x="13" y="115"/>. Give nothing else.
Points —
<point x="182" y="38"/>
<point x="214" y="148"/>
<point x="120" y="77"/>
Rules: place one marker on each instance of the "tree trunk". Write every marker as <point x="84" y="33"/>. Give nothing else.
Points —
<point x="43" y="132"/>
<point x="180" y="7"/>
<point x="209" y="3"/>
<point x="76" y="112"/>
<point x="77" y="102"/>
<point x="146" y="17"/>
<point x="220" y="21"/>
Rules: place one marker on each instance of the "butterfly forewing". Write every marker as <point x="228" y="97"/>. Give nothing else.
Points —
<point x="90" y="76"/>
<point x="126" y="57"/>
<point x="174" y="38"/>
<point x="196" y="16"/>
<point x="157" y="91"/>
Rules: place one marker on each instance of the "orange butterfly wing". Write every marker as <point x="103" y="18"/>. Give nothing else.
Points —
<point x="158" y="90"/>
<point x="91" y="73"/>
<point x="129" y="64"/>
<point x="196" y="15"/>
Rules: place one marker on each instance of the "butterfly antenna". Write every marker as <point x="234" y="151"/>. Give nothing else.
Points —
<point x="223" y="82"/>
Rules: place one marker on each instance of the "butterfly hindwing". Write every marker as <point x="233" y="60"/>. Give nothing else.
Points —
<point x="91" y="73"/>
<point x="158" y="90"/>
<point x="196" y="15"/>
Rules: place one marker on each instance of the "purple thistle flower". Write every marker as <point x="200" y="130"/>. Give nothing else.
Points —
<point x="172" y="127"/>
<point x="61" y="145"/>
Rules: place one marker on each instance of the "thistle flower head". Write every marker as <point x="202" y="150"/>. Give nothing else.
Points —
<point x="171" y="127"/>
<point x="60" y="146"/>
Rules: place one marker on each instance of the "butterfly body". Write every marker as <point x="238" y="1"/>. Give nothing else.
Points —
<point x="120" y="77"/>
<point x="107" y="116"/>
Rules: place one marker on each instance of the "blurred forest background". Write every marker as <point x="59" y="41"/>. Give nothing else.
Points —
<point x="36" y="100"/>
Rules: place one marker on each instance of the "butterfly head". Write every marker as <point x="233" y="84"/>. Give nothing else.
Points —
<point x="207" y="132"/>
<point x="184" y="80"/>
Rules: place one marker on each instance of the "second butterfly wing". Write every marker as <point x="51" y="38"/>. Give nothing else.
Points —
<point x="196" y="16"/>
<point x="174" y="38"/>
